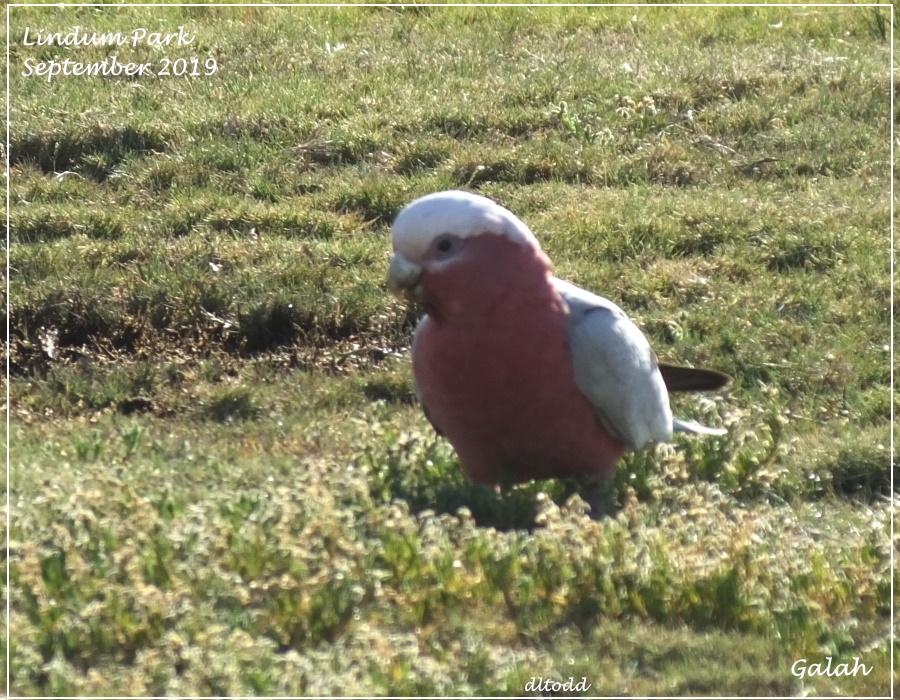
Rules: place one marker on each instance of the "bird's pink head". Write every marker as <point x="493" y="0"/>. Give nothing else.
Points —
<point x="459" y="254"/>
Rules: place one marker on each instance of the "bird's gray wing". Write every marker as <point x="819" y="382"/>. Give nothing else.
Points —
<point x="616" y="369"/>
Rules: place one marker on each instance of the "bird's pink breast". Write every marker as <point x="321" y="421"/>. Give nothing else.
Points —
<point x="498" y="382"/>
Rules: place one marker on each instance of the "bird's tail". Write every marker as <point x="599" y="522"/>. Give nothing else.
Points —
<point x="678" y="378"/>
<point x="693" y="428"/>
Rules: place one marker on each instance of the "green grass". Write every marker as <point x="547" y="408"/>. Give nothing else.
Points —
<point x="221" y="483"/>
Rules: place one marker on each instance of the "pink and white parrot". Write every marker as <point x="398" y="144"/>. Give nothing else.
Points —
<point x="527" y="376"/>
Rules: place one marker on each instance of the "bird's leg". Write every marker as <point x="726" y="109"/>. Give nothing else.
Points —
<point x="506" y="480"/>
<point x="599" y="494"/>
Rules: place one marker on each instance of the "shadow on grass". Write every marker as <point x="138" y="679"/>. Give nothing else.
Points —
<point x="424" y="472"/>
<point x="93" y="149"/>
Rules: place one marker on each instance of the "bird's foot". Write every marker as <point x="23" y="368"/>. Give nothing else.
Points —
<point x="599" y="494"/>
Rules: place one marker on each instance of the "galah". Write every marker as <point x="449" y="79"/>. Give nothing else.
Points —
<point x="528" y="376"/>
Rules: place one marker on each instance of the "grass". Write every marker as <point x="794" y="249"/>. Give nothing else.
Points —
<point x="220" y="481"/>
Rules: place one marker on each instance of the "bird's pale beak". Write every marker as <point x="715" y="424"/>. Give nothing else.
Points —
<point x="404" y="277"/>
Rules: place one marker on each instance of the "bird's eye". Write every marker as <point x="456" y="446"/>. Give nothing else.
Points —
<point x="446" y="245"/>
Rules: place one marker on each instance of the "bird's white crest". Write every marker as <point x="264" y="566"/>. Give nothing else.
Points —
<point x="460" y="213"/>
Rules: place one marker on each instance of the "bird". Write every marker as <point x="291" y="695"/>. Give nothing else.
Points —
<point x="526" y="375"/>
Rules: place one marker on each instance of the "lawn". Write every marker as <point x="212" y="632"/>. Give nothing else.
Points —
<point x="220" y="482"/>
